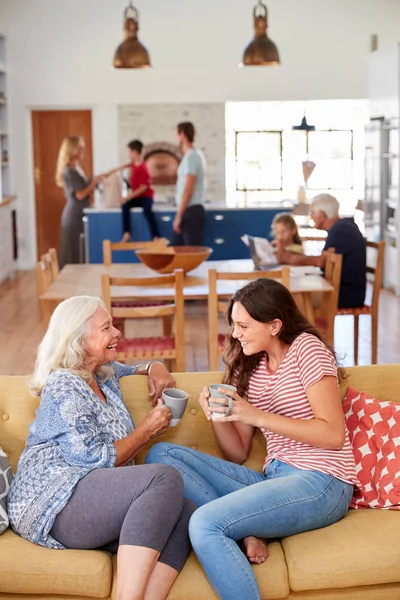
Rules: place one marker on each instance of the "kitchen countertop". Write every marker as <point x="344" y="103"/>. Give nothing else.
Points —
<point x="161" y="207"/>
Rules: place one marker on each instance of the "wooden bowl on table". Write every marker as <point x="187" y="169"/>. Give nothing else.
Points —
<point x="170" y="258"/>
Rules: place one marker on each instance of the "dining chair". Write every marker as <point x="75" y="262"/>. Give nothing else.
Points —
<point x="313" y="245"/>
<point x="44" y="278"/>
<point x="374" y="275"/>
<point x="325" y="314"/>
<point x="54" y="262"/>
<point x="110" y="247"/>
<point x="51" y="258"/>
<point x="166" y="347"/>
<point x="216" y="341"/>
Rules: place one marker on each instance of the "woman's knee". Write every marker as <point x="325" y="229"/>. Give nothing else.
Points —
<point x="158" y="454"/>
<point x="201" y="524"/>
<point x="167" y="476"/>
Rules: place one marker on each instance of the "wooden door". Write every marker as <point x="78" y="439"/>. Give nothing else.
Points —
<point x="49" y="128"/>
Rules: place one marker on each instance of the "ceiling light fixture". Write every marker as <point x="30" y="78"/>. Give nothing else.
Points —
<point x="131" y="54"/>
<point x="261" y="51"/>
<point x="304" y="126"/>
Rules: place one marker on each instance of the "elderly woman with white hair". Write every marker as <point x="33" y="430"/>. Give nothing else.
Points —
<point x="76" y="485"/>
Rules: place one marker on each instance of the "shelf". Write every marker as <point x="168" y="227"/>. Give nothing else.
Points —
<point x="5" y="164"/>
<point x="3" y="133"/>
<point x="7" y="200"/>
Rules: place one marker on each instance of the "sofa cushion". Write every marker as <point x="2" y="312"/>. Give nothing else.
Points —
<point x="194" y="430"/>
<point x="5" y="480"/>
<point x="272" y="578"/>
<point x="374" y="430"/>
<point x="30" y="569"/>
<point x="362" y="549"/>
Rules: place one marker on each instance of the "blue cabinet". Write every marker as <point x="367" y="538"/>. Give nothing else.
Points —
<point x="224" y="228"/>
<point x="222" y="233"/>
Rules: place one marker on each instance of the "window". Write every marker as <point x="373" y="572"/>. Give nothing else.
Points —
<point x="258" y="160"/>
<point x="265" y="155"/>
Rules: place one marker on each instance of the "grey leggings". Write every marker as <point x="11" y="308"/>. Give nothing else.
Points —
<point x="137" y="506"/>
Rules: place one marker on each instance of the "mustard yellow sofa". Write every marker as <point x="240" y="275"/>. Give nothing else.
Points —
<point x="356" y="559"/>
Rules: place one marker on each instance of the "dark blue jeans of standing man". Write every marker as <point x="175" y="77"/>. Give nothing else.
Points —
<point x="146" y="203"/>
<point x="192" y="227"/>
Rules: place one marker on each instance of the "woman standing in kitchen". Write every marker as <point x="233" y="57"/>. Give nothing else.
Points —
<point x="77" y="187"/>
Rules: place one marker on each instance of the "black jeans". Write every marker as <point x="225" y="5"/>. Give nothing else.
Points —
<point x="146" y="203"/>
<point x="192" y="227"/>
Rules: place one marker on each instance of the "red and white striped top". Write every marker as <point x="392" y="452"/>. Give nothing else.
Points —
<point x="283" y="392"/>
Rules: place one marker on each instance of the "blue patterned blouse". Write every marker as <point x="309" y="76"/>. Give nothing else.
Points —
<point x="72" y="434"/>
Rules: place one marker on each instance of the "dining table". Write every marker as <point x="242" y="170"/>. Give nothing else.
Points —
<point x="85" y="279"/>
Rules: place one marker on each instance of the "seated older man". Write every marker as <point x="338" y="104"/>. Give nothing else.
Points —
<point x="76" y="485"/>
<point x="346" y="238"/>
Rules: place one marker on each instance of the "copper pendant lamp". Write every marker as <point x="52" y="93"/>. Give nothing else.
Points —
<point x="261" y="51"/>
<point x="131" y="54"/>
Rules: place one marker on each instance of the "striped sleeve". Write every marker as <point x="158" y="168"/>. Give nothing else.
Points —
<point x="314" y="361"/>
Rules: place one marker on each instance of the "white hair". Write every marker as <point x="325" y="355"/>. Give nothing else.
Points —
<point x="327" y="204"/>
<point x="62" y="345"/>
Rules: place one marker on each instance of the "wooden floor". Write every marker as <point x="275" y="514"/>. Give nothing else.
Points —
<point x="22" y="329"/>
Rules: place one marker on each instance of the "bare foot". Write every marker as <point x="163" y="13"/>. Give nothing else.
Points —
<point x="126" y="238"/>
<point x="256" y="549"/>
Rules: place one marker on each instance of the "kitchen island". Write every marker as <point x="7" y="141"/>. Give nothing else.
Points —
<point x="224" y="227"/>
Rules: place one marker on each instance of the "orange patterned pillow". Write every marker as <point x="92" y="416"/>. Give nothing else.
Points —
<point x="374" y="429"/>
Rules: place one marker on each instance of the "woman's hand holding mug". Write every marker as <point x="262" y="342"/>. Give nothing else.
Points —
<point x="215" y="402"/>
<point x="157" y="421"/>
<point x="203" y="401"/>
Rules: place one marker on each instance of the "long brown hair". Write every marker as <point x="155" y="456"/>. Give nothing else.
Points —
<point x="290" y="223"/>
<point x="265" y="300"/>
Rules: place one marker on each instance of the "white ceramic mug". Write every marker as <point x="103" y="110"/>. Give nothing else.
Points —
<point x="213" y="403"/>
<point x="176" y="400"/>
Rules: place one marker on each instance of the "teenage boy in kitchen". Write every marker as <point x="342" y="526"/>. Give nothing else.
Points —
<point x="188" y="225"/>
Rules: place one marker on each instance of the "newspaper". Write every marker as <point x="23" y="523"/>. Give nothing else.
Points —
<point x="264" y="250"/>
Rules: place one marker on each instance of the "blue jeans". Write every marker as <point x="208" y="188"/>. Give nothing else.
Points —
<point x="236" y="502"/>
<point x="146" y="203"/>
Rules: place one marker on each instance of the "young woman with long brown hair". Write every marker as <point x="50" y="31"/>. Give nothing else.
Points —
<point x="287" y="386"/>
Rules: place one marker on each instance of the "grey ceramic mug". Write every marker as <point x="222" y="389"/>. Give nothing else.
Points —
<point x="176" y="400"/>
<point x="215" y="394"/>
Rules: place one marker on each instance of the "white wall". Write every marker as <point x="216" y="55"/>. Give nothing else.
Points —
<point x="156" y="123"/>
<point x="60" y="55"/>
<point x="384" y="82"/>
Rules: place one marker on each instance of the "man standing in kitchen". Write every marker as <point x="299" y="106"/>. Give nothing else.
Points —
<point x="188" y="225"/>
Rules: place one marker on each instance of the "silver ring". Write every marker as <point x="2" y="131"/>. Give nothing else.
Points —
<point x="230" y="406"/>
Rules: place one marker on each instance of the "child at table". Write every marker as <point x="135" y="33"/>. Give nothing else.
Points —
<point x="285" y="232"/>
